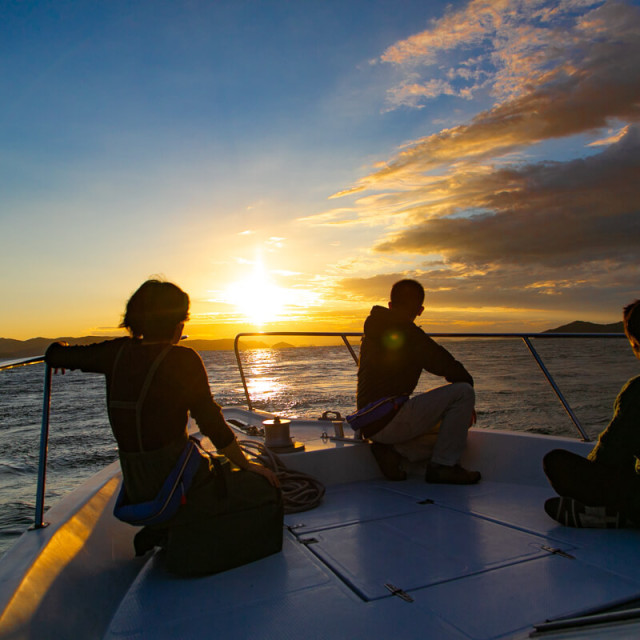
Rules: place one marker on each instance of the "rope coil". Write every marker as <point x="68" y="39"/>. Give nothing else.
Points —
<point x="300" y="491"/>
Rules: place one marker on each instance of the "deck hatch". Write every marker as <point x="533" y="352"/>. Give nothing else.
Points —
<point x="420" y="549"/>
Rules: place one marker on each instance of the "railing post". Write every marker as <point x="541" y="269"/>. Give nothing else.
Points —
<point x="44" y="446"/>
<point x="241" y="370"/>
<point x="555" y="387"/>
<point x="351" y="351"/>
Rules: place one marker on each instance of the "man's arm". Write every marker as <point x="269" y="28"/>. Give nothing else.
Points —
<point x="437" y="360"/>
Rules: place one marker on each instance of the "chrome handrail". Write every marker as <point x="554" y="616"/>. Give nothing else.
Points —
<point x="525" y="337"/>
<point x="14" y="364"/>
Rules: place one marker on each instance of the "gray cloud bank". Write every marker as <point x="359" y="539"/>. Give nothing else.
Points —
<point x="551" y="213"/>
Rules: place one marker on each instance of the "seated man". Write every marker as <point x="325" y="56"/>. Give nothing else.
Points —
<point x="393" y="353"/>
<point x="603" y="490"/>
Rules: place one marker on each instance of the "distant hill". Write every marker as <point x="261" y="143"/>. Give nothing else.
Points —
<point x="16" y="349"/>
<point x="283" y="345"/>
<point x="579" y="326"/>
<point x="13" y="349"/>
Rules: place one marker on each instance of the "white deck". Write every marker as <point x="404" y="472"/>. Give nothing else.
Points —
<point x="471" y="559"/>
<point x="472" y="562"/>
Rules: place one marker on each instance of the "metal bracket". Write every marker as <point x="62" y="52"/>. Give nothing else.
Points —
<point x="557" y="552"/>
<point x="395" y="591"/>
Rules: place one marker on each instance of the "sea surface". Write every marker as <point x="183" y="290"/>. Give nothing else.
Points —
<point x="512" y="393"/>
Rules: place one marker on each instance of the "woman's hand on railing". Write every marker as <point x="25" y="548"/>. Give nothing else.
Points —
<point x="60" y="343"/>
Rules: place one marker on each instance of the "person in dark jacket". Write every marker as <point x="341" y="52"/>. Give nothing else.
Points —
<point x="603" y="490"/>
<point x="393" y="354"/>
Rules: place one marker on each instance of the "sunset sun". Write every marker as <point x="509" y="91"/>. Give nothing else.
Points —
<point x="258" y="299"/>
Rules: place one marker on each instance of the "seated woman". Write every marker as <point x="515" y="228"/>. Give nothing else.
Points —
<point x="152" y="387"/>
<point x="603" y="490"/>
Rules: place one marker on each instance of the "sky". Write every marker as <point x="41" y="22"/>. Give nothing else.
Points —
<point x="285" y="162"/>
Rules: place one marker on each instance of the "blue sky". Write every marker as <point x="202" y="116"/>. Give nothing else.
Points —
<point x="304" y="155"/>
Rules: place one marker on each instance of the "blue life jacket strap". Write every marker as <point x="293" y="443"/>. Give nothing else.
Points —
<point x="171" y="495"/>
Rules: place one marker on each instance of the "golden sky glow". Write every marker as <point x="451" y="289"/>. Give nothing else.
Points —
<point x="286" y="175"/>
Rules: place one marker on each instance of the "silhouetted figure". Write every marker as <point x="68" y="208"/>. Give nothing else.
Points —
<point x="603" y="490"/>
<point x="393" y="354"/>
<point x="152" y="386"/>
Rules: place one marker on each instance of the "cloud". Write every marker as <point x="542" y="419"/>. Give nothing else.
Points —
<point x="553" y="213"/>
<point x="411" y="93"/>
<point x="585" y="77"/>
<point x="512" y="44"/>
<point x="491" y="226"/>
<point x="615" y="137"/>
<point x="469" y="26"/>
<point x="555" y="72"/>
<point x="460" y="192"/>
<point x="460" y="290"/>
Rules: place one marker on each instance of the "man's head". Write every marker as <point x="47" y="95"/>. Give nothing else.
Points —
<point x="156" y="310"/>
<point x="631" y="321"/>
<point x="407" y="298"/>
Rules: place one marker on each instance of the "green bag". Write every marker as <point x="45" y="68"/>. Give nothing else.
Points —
<point x="234" y="518"/>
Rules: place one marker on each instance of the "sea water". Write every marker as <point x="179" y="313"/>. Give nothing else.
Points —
<point x="512" y="393"/>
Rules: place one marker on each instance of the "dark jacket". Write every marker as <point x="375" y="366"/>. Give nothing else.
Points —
<point x="393" y="354"/>
<point x="178" y="387"/>
<point x="619" y="444"/>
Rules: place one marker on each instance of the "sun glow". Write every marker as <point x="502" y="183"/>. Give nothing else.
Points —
<point x="260" y="300"/>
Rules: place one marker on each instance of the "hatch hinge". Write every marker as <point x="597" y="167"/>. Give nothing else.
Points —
<point x="308" y="541"/>
<point x="557" y="552"/>
<point x="398" y="592"/>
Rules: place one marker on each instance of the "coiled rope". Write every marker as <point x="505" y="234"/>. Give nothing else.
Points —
<point x="300" y="491"/>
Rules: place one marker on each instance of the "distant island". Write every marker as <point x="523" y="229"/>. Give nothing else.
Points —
<point x="226" y="344"/>
<point x="14" y="349"/>
<point x="579" y="326"/>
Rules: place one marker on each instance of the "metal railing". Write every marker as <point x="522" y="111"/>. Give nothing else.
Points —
<point x="525" y="337"/>
<point x="39" y="522"/>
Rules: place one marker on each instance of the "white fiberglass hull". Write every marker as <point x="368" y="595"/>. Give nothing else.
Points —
<point x="482" y="561"/>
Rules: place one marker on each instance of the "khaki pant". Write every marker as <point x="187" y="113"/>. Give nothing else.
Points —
<point x="432" y="425"/>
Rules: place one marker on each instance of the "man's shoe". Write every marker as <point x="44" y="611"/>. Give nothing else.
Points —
<point x="572" y="513"/>
<point x="442" y="474"/>
<point x="388" y="460"/>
